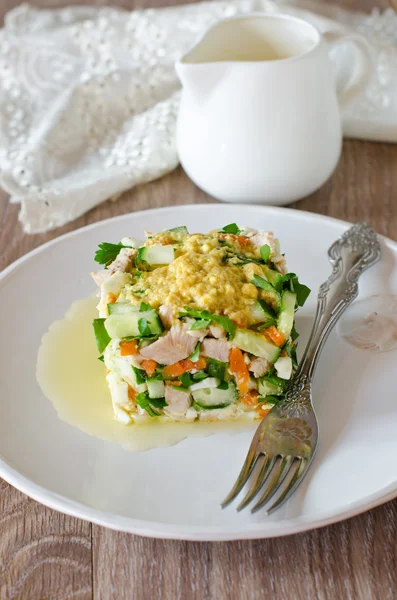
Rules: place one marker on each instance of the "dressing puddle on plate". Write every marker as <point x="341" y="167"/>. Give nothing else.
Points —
<point x="72" y="378"/>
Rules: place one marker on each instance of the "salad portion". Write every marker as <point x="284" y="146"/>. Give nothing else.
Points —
<point x="196" y="326"/>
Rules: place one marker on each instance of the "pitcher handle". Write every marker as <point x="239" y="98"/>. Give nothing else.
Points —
<point x="362" y="69"/>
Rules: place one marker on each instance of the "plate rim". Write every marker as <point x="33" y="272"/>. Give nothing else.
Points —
<point x="159" y="530"/>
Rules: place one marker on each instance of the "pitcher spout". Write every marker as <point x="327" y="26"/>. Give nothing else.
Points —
<point x="200" y="80"/>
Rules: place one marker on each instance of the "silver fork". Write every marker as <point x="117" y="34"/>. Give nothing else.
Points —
<point x="285" y="442"/>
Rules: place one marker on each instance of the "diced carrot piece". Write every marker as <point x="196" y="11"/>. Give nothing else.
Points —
<point x="182" y="366"/>
<point x="250" y="399"/>
<point x="175" y="383"/>
<point x="242" y="240"/>
<point x="239" y="369"/>
<point x="150" y="366"/>
<point x="131" y="393"/>
<point x="110" y="298"/>
<point x="275" y="335"/>
<point x="262" y="410"/>
<point x="174" y="370"/>
<point x="129" y="348"/>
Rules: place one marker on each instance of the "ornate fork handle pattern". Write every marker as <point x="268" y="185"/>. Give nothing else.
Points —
<point x="354" y="252"/>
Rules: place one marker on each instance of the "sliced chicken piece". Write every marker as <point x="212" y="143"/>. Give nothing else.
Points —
<point x="166" y="314"/>
<point x="176" y="345"/>
<point x="218" y="349"/>
<point x="259" y="367"/>
<point x="217" y="332"/>
<point x="178" y="400"/>
<point x="123" y="261"/>
<point x="100" y="277"/>
<point x="260" y="238"/>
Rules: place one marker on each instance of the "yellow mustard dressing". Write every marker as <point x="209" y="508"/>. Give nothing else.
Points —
<point x="201" y="276"/>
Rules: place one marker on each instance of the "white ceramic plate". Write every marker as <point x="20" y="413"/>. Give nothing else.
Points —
<point x="175" y="492"/>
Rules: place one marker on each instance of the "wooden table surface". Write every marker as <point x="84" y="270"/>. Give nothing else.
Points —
<point x="47" y="555"/>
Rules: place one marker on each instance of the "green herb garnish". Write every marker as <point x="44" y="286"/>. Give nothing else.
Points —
<point x="144" y="328"/>
<point x="107" y="253"/>
<point x="200" y="324"/>
<point x="144" y="307"/>
<point x="200" y="375"/>
<point x="186" y="380"/>
<point x="102" y="337"/>
<point x="158" y="402"/>
<point x="224" y="322"/>
<point x="291" y="282"/>
<point x="262" y="283"/>
<point x="223" y="385"/>
<point x="231" y="228"/>
<point x="140" y="375"/>
<point x="216" y="368"/>
<point x="195" y="355"/>
<point x="265" y="252"/>
<point x="143" y="401"/>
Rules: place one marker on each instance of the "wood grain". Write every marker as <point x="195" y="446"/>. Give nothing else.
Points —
<point x="46" y="555"/>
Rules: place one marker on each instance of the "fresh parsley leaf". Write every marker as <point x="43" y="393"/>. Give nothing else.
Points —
<point x="265" y="252"/>
<point x="158" y="402"/>
<point x="223" y="385"/>
<point x="291" y="351"/>
<point x="291" y="282"/>
<point x="294" y="334"/>
<point x="216" y="368"/>
<point x="239" y="260"/>
<point x="144" y="328"/>
<point x="196" y="353"/>
<point x="138" y="291"/>
<point x="186" y="380"/>
<point x="107" y="253"/>
<point x="144" y="402"/>
<point x="231" y="228"/>
<point x="200" y="375"/>
<point x="226" y="323"/>
<point x="101" y="358"/>
<point x="140" y="375"/>
<point x="275" y="380"/>
<point x="102" y="337"/>
<point x="262" y="283"/>
<point x="268" y="323"/>
<point x="144" y="307"/>
<point x="200" y="324"/>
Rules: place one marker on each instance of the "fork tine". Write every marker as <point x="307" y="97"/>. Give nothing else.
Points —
<point x="245" y="472"/>
<point x="260" y="480"/>
<point x="298" y="476"/>
<point x="279" y="474"/>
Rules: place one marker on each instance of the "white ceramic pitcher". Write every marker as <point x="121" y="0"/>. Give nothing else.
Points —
<point x="260" y="114"/>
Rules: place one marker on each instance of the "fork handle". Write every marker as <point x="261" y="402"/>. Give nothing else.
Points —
<point x="354" y="252"/>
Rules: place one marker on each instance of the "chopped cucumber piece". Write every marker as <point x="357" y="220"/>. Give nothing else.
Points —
<point x="285" y="320"/>
<point x="121" y="308"/>
<point x="179" y="229"/>
<point x="121" y="366"/>
<point x="212" y="397"/>
<point x="256" y="344"/>
<point x="270" y="386"/>
<point x="127" y="325"/>
<point x="283" y="367"/>
<point x="261" y="313"/>
<point x="210" y="382"/>
<point x="274" y="277"/>
<point x="155" y="388"/>
<point x="155" y="255"/>
<point x="131" y="242"/>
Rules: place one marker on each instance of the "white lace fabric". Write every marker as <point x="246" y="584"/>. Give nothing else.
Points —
<point x="89" y="96"/>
